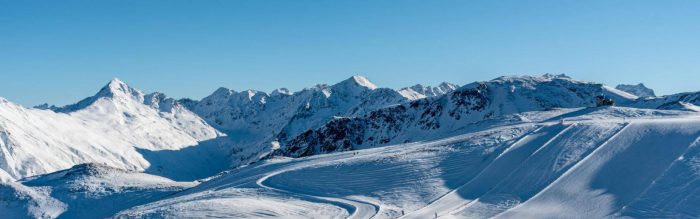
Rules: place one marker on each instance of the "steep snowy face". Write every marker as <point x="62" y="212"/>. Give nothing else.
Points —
<point x="433" y="117"/>
<point x="236" y="112"/>
<point x="682" y="101"/>
<point x="254" y="118"/>
<point x="419" y="91"/>
<point x="160" y="101"/>
<point x="639" y="90"/>
<point x="110" y="127"/>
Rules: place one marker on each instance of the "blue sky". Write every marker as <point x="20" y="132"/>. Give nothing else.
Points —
<point x="61" y="51"/>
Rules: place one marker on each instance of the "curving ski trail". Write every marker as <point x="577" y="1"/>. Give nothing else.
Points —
<point x="356" y="209"/>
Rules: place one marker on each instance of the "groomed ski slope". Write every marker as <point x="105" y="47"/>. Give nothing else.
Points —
<point x="589" y="166"/>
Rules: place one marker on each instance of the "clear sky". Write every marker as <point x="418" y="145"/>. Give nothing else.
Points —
<point x="61" y="51"/>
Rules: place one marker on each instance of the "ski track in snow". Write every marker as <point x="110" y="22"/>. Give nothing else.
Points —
<point x="452" y="200"/>
<point x="262" y="173"/>
<point x="452" y="203"/>
<point x="528" y="170"/>
<point x="357" y="209"/>
<point x="513" y="147"/>
<point x="534" y="166"/>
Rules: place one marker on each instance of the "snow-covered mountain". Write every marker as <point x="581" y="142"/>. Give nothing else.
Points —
<point x="255" y="119"/>
<point x="683" y="101"/>
<point x="420" y="91"/>
<point x="513" y="147"/>
<point x="119" y="126"/>
<point x="432" y="117"/>
<point x="639" y="90"/>
<point x="689" y="101"/>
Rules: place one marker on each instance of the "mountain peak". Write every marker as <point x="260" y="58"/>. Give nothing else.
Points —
<point x="548" y="75"/>
<point x="116" y="81"/>
<point x="281" y="92"/>
<point x="419" y="91"/>
<point x="116" y="87"/>
<point x="356" y="81"/>
<point x="363" y="81"/>
<point x="640" y="90"/>
<point x="222" y="91"/>
<point x="532" y="79"/>
<point x="254" y="94"/>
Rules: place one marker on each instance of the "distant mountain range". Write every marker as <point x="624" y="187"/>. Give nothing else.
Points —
<point x="122" y="131"/>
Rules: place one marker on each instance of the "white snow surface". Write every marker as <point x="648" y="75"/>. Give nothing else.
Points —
<point x="611" y="162"/>
<point x="420" y="91"/>
<point x="99" y="191"/>
<point x="119" y="127"/>
<point x="512" y="147"/>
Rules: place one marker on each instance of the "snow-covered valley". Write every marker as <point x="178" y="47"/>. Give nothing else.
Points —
<point x="514" y="147"/>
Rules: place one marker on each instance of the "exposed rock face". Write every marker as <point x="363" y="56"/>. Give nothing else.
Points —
<point x="427" y="117"/>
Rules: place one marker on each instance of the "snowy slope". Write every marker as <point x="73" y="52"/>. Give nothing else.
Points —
<point x="434" y="117"/>
<point x="610" y="180"/>
<point x="99" y="191"/>
<point x="117" y="127"/>
<point x="588" y="166"/>
<point x="235" y="203"/>
<point x="19" y="201"/>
